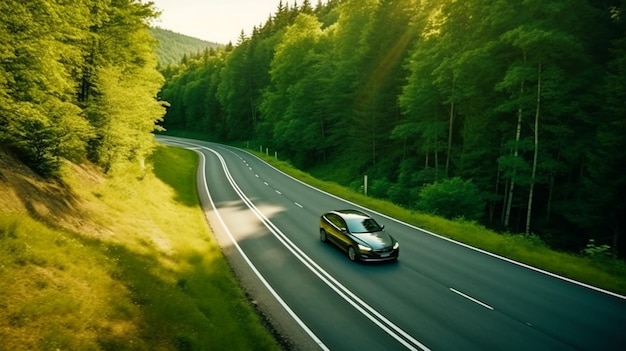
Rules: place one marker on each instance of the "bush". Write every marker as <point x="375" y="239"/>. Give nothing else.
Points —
<point x="378" y="188"/>
<point x="37" y="147"/>
<point x="452" y="198"/>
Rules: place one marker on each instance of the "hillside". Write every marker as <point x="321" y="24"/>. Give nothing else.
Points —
<point x="173" y="46"/>
<point x="92" y="262"/>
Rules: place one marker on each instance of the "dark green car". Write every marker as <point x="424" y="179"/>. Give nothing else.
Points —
<point x="359" y="235"/>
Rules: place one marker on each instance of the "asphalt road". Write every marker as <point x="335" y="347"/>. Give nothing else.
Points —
<point x="440" y="295"/>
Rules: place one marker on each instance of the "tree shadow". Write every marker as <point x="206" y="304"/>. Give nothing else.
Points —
<point x="188" y="308"/>
<point x="47" y="200"/>
<point x="167" y="164"/>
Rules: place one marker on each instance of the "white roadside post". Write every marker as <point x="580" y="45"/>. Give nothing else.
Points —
<point x="365" y="185"/>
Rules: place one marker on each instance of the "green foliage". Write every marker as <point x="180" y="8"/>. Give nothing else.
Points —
<point x="289" y="102"/>
<point x="56" y="62"/>
<point x="593" y="250"/>
<point x="379" y="187"/>
<point x="174" y="47"/>
<point x="524" y="98"/>
<point x="36" y="144"/>
<point x="452" y="198"/>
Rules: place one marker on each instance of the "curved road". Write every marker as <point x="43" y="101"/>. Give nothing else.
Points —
<point x="440" y="295"/>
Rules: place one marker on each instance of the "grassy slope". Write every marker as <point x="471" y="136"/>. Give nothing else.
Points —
<point x="603" y="272"/>
<point x="116" y="263"/>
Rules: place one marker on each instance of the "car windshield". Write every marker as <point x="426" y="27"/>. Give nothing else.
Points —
<point x="363" y="225"/>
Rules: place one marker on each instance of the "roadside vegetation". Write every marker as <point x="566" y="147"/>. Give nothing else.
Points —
<point x="124" y="261"/>
<point x="594" y="265"/>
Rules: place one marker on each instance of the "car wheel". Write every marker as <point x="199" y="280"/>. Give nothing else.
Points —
<point x="352" y="254"/>
<point x="323" y="236"/>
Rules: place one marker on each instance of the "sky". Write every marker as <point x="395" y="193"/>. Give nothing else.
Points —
<point x="217" y="21"/>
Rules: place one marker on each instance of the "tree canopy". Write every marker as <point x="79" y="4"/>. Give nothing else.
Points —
<point x="78" y="80"/>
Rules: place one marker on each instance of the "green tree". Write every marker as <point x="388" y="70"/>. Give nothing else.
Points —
<point x="603" y="214"/>
<point x="550" y="60"/>
<point x="289" y="102"/>
<point x="119" y="82"/>
<point x="238" y="91"/>
<point x="38" y="56"/>
<point x="386" y="39"/>
<point x="452" y="198"/>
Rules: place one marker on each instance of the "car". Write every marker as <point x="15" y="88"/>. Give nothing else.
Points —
<point x="359" y="235"/>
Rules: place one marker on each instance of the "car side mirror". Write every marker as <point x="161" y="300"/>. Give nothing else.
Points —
<point x="382" y="227"/>
<point x="344" y="230"/>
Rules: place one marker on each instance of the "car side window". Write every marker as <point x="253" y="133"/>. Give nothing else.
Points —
<point x="342" y="223"/>
<point x="336" y="220"/>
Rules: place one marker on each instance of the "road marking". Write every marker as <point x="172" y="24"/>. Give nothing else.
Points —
<point x="471" y="299"/>
<point x="266" y="183"/>
<point x="297" y="204"/>
<point x="366" y="310"/>
<point x="256" y="175"/>
<point x="278" y="192"/>
<point x="282" y="302"/>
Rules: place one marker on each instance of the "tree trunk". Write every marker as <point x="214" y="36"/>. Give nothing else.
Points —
<point x="450" y="126"/>
<point x="536" y="152"/>
<point x="373" y="128"/>
<point x="436" y="159"/>
<point x="505" y="201"/>
<point x="616" y="233"/>
<point x="492" y="203"/>
<point x="551" y="190"/>
<point x="518" y="133"/>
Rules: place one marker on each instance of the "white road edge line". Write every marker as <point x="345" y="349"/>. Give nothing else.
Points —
<point x="369" y="312"/>
<point x="506" y="259"/>
<point x="297" y="204"/>
<point x="471" y="298"/>
<point x="254" y="269"/>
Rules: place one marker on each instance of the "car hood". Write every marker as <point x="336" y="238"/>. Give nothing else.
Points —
<point x="375" y="240"/>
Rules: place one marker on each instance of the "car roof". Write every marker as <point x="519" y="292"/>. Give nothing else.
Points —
<point x="350" y="213"/>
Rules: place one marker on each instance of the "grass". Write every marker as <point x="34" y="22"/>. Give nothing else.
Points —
<point x="123" y="262"/>
<point x="603" y="272"/>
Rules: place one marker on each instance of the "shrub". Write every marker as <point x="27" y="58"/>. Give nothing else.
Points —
<point x="452" y="198"/>
<point x="378" y="188"/>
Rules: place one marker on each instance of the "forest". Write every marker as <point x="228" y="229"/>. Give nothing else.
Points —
<point x="510" y="113"/>
<point x="78" y="82"/>
<point x="174" y="47"/>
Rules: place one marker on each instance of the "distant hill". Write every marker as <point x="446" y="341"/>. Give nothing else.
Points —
<point x="173" y="46"/>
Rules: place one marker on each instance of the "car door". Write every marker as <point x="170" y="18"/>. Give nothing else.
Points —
<point x="340" y="237"/>
<point x="330" y="227"/>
